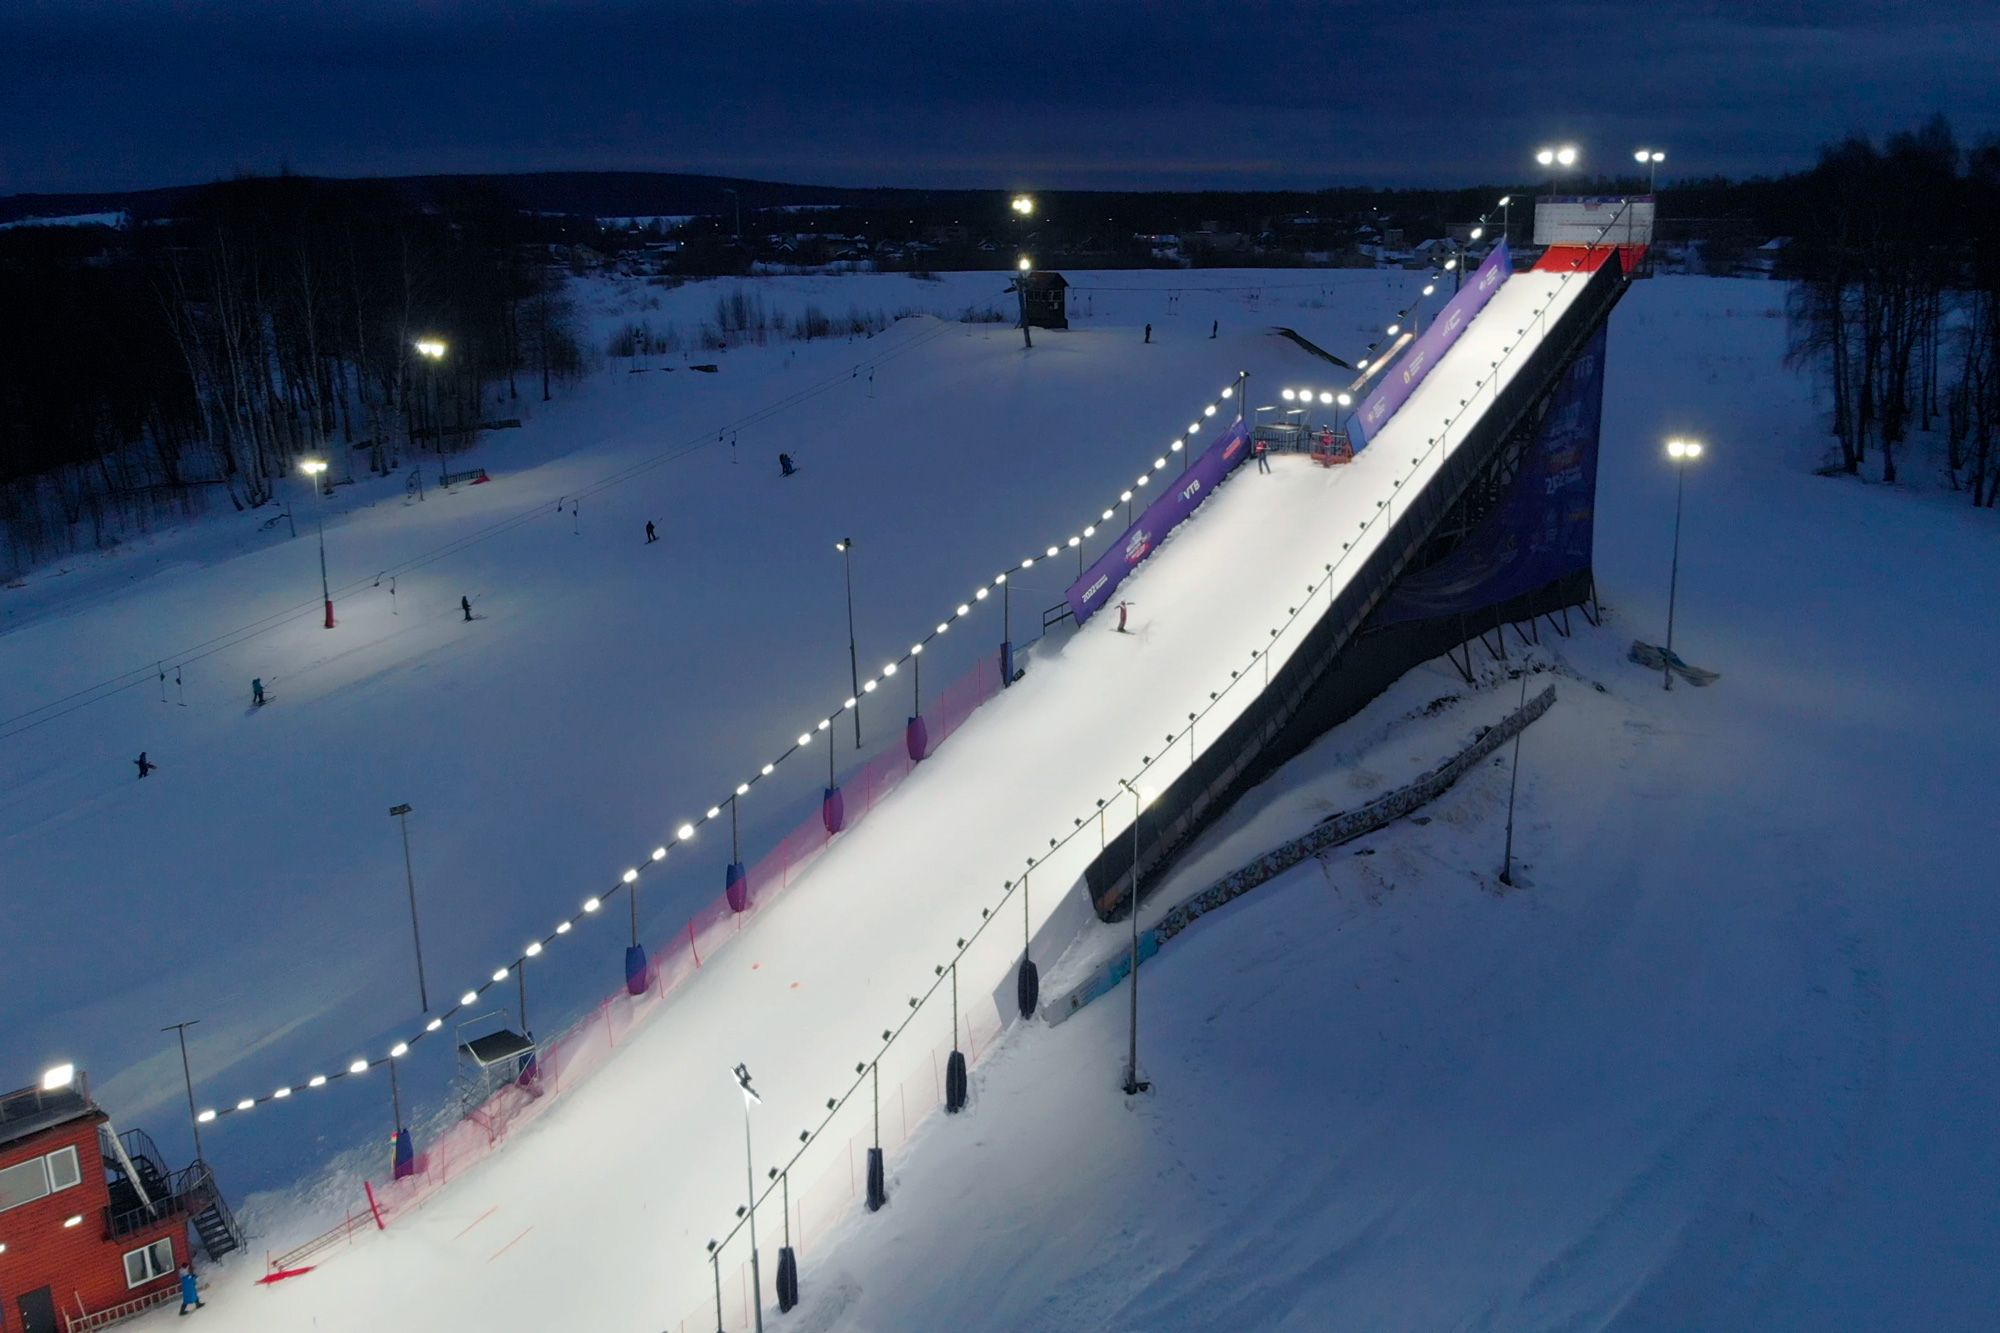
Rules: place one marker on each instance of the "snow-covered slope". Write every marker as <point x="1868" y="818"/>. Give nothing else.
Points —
<point x="1721" y="1062"/>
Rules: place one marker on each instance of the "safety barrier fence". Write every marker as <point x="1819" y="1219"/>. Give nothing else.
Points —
<point x="587" y="1044"/>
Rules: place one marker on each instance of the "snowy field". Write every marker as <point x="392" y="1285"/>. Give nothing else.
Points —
<point x="1655" y="992"/>
<point x="608" y="691"/>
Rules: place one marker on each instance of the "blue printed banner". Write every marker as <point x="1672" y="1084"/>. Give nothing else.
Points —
<point x="1092" y="591"/>
<point x="1542" y="528"/>
<point x="1424" y="354"/>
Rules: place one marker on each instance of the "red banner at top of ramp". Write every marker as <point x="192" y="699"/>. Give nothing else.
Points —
<point x="1424" y="354"/>
<point x="1587" y="258"/>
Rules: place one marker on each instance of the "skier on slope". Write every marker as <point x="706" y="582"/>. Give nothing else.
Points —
<point x="190" y="1290"/>
<point x="651" y="535"/>
<point x="1149" y="334"/>
<point x="465" y="605"/>
<point x="1262" y="451"/>
<point x="785" y="465"/>
<point x="145" y="765"/>
<point x="1122" y="606"/>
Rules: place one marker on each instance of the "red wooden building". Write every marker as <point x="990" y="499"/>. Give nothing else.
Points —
<point x="93" y="1227"/>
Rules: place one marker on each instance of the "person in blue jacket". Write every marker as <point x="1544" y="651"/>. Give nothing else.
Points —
<point x="190" y="1290"/>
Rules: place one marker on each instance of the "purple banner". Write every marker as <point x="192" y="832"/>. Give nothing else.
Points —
<point x="1092" y="592"/>
<point x="1424" y="354"/>
<point x="1542" y="528"/>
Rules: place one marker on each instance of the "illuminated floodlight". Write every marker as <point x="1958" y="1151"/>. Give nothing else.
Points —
<point x="684" y="832"/>
<point x="659" y="853"/>
<point x="589" y="905"/>
<point x="58" y="1077"/>
<point x="629" y="876"/>
<point x="1026" y="264"/>
<point x="358" y="1067"/>
<point x="1326" y="396"/>
<point x="1289" y="394"/>
<point x="399" y="1050"/>
<point x="470" y="996"/>
<point x="534" y="950"/>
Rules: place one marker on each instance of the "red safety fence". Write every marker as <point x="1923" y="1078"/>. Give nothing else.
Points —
<point x="586" y="1045"/>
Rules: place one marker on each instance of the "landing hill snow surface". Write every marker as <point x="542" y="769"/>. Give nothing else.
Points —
<point x="1718" y="1062"/>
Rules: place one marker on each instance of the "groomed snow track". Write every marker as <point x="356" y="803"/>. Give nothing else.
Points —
<point x="624" y="1180"/>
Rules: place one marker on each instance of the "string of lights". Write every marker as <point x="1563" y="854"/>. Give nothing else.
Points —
<point x="777" y="1177"/>
<point x="688" y="830"/>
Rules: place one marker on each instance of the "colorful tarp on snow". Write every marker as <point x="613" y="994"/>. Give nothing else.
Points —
<point x="1092" y="590"/>
<point x="1542" y="528"/>
<point x="1404" y="377"/>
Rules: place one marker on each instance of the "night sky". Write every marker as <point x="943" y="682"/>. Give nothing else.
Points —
<point x="115" y="94"/>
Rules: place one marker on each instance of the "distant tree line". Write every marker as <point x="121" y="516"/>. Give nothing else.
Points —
<point x="268" y="320"/>
<point x="1897" y="299"/>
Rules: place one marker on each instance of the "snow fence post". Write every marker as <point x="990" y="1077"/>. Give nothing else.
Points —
<point x="878" y="1191"/>
<point x="788" y="1259"/>
<point x="954" y="1069"/>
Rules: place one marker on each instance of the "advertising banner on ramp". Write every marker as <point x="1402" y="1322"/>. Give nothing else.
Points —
<point x="1093" y="589"/>
<point x="1424" y="354"/>
<point x="1542" y="528"/>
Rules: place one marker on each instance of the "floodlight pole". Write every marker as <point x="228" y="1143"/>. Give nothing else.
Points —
<point x="853" y="657"/>
<point x="1132" y="1084"/>
<point x="1513" y="783"/>
<point x="402" y="814"/>
<point x="194" y="1121"/>
<point x="1674" y="576"/>
<point x="750" y="1184"/>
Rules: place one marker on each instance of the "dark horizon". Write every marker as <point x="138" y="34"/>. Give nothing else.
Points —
<point x="935" y="94"/>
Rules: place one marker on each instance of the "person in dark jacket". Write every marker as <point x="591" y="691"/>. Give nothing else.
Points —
<point x="190" y="1290"/>
<point x="1149" y="333"/>
<point x="145" y="765"/>
<point x="651" y="535"/>
<point x="785" y="464"/>
<point x="465" y="605"/>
